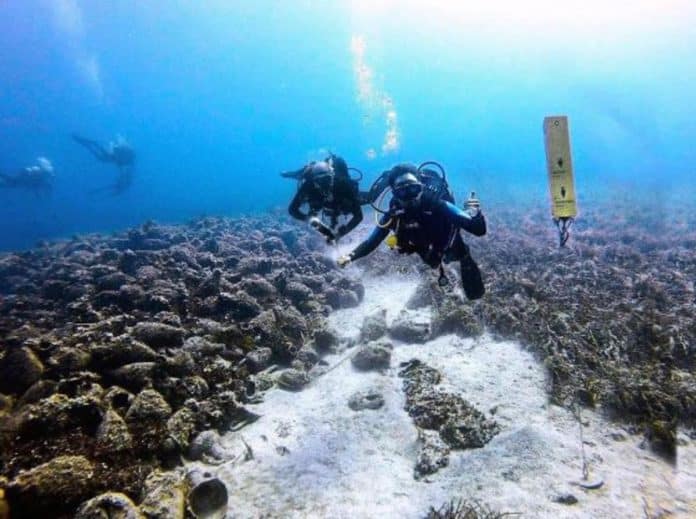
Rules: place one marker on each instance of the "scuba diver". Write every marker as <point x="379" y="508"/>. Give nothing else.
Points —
<point x="423" y="219"/>
<point x="117" y="152"/>
<point x="328" y="190"/>
<point x="35" y="178"/>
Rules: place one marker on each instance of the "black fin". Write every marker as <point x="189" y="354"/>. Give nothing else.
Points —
<point x="471" y="278"/>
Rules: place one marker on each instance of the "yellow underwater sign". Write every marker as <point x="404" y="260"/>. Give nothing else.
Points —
<point x="560" y="167"/>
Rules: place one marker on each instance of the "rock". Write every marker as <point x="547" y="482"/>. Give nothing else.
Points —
<point x="53" y="487"/>
<point x="374" y="355"/>
<point x="369" y="399"/>
<point x="181" y="364"/>
<point x="180" y="427"/>
<point x="68" y="359"/>
<point x="164" y="495"/>
<point x="192" y="387"/>
<point x="124" y="350"/>
<point x="106" y="298"/>
<point x="460" y="424"/>
<point x="130" y="296"/>
<point x="342" y="298"/>
<point x="418" y="377"/>
<point x="433" y="454"/>
<point x="325" y="339"/>
<point x="112" y="281"/>
<point x="207" y="446"/>
<point x="307" y="356"/>
<point x="411" y="327"/>
<point x="148" y="405"/>
<point x="470" y="429"/>
<point x="134" y="376"/>
<point x="291" y="322"/>
<point x="259" y="359"/>
<point x="374" y="325"/>
<point x="59" y="413"/>
<point x="565" y="499"/>
<point x="158" y="335"/>
<point x="259" y="288"/>
<point x="240" y="305"/>
<point x="298" y="293"/>
<point x="111" y="505"/>
<point x="38" y="391"/>
<point x="292" y="379"/>
<point x="454" y="316"/>
<point x="427" y="293"/>
<point x="113" y="435"/>
<point x="202" y="347"/>
<point x="19" y="369"/>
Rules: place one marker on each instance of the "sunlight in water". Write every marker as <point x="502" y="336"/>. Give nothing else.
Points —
<point x="373" y="100"/>
<point x="579" y="17"/>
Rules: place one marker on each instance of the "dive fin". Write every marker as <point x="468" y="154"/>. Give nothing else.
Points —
<point x="471" y="278"/>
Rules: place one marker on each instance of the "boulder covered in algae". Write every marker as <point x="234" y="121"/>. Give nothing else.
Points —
<point x="119" y="350"/>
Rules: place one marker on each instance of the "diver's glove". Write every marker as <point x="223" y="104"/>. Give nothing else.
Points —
<point x="473" y="205"/>
<point x="343" y="261"/>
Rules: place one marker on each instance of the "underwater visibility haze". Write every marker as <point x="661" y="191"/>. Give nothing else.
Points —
<point x="218" y="97"/>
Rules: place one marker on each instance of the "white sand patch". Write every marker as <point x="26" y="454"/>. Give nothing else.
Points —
<point x="314" y="457"/>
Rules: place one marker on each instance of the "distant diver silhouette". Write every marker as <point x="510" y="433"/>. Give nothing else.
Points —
<point x="35" y="178"/>
<point x="119" y="153"/>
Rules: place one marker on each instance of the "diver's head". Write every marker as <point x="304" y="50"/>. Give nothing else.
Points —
<point x="338" y="164"/>
<point x="322" y="176"/>
<point x="407" y="189"/>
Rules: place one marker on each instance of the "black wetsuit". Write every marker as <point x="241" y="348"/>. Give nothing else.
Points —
<point x="432" y="231"/>
<point x="32" y="179"/>
<point x="122" y="155"/>
<point x="342" y="200"/>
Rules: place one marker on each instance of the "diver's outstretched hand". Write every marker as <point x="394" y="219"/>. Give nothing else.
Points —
<point x="343" y="261"/>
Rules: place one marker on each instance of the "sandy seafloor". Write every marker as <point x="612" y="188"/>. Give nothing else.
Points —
<point x="315" y="457"/>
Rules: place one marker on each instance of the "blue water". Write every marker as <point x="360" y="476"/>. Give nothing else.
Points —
<point x="218" y="97"/>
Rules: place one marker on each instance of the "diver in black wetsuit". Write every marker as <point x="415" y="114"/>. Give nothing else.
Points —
<point x="35" y="178"/>
<point x="329" y="192"/>
<point x="119" y="153"/>
<point x="425" y="220"/>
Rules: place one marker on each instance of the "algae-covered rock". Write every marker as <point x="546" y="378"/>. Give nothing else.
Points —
<point x="325" y="339"/>
<point x="165" y="494"/>
<point x="374" y="355"/>
<point x="368" y="399"/>
<point x="292" y="379"/>
<point x="411" y="327"/>
<point x="111" y="505"/>
<point x="207" y="446"/>
<point x="374" y="325"/>
<point x="433" y="454"/>
<point x="19" y="369"/>
<point x="454" y="316"/>
<point x="133" y="376"/>
<point x="148" y="405"/>
<point x="113" y="435"/>
<point x="52" y="487"/>
<point x="469" y="429"/>
<point x="158" y="335"/>
<point x="121" y="352"/>
<point x="180" y="427"/>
